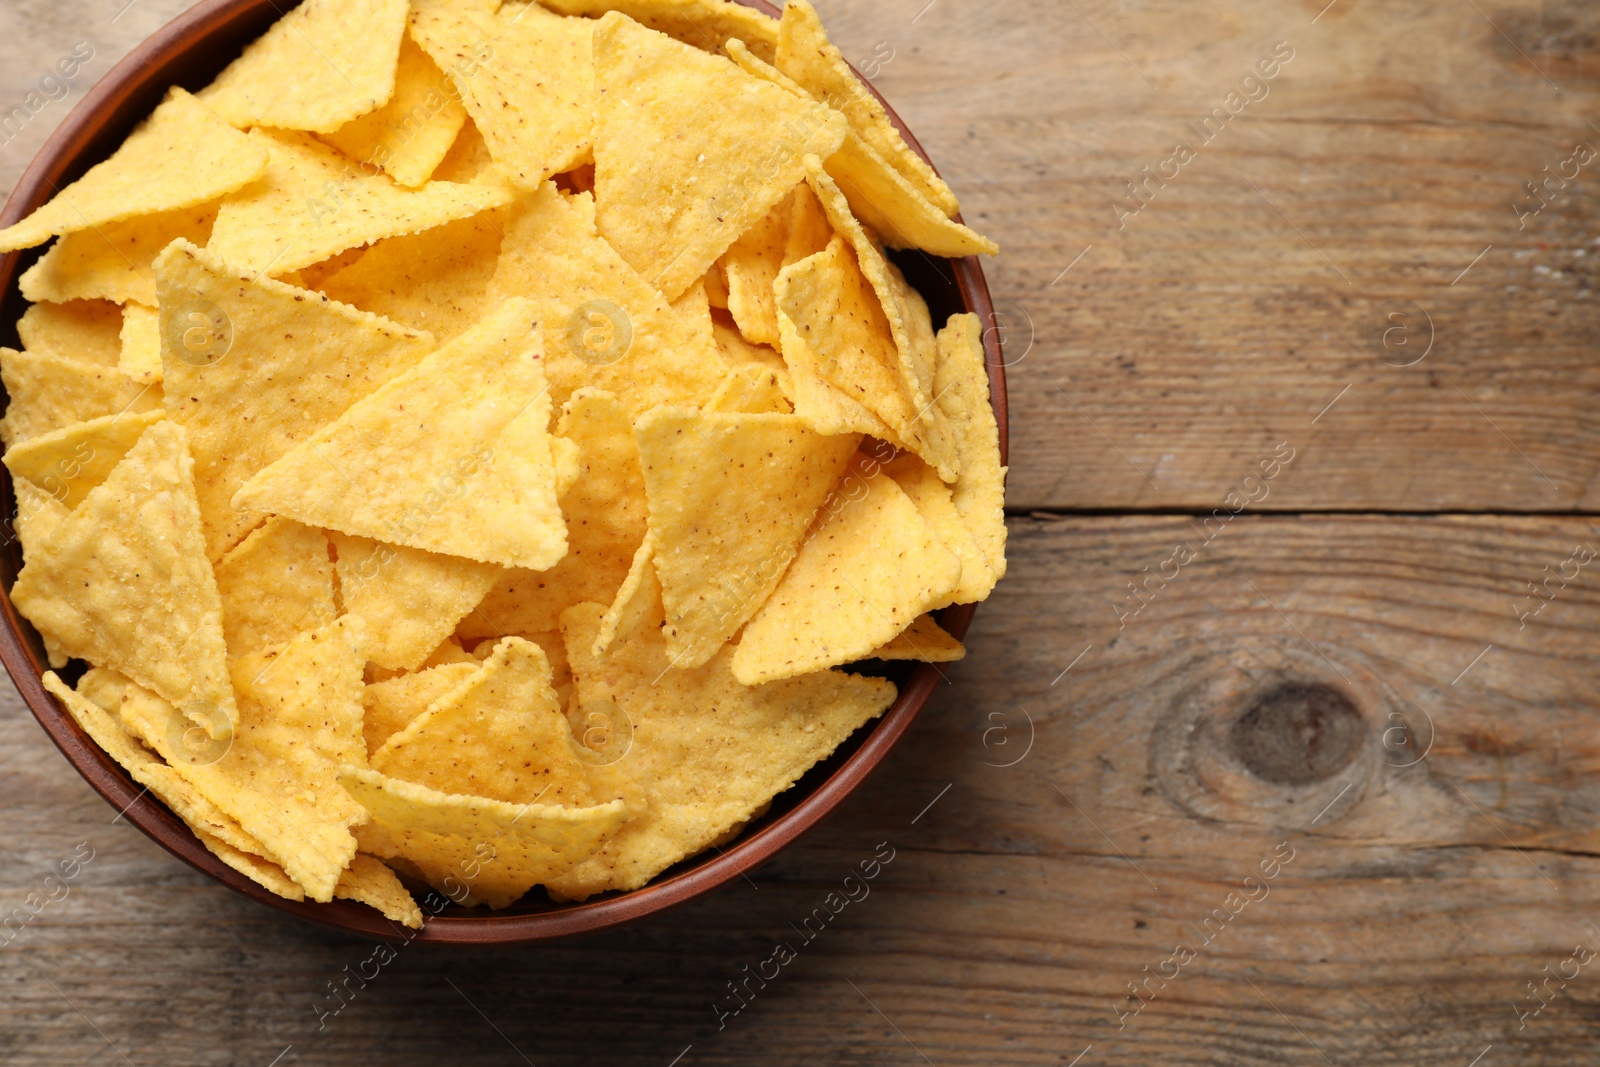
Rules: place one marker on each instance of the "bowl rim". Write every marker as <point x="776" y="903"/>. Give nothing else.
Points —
<point x="157" y="60"/>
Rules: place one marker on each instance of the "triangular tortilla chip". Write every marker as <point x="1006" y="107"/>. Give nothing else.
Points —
<point x="473" y="849"/>
<point x="737" y="351"/>
<point x="299" y="721"/>
<point x="637" y="605"/>
<point x="181" y="156"/>
<point x="805" y="54"/>
<point x="436" y="280"/>
<point x="706" y="24"/>
<point x="501" y="735"/>
<point x="411" y="599"/>
<point x="864" y="574"/>
<point x="606" y="519"/>
<point x="370" y="881"/>
<point x="411" y="134"/>
<point x="752" y="389"/>
<point x="68" y="462"/>
<point x="962" y="386"/>
<point x="468" y="160"/>
<point x="141" y="344"/>
<point x="752" y="265"/>
<point x="38" y="513"/>
<point x="730" y="497"/>
<point x="288" y="362"/>
<point x="709" y="751"/>
<point x="124" y="583"/>
<point x="114" y="261"/>
<point x="921" y="483"/>
<point x="526" y="78"/>
<point x="392" y="704"/>
<point x="452" y="456"/>
<point x="89" y="331"/>
<point x="321" y="65"/>
<point x="604" y="326"/>
<point x="315" y="203"/>
<point x="672" y="203"/>
<point x="924" y="642"/>
<point x="49" y="392"/>
<point x="275" y="585"/>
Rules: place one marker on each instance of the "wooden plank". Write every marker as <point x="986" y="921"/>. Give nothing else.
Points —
<point x="1416" y="906"/>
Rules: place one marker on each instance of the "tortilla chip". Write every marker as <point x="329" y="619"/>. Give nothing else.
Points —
<point x="866" y="571"/>
<point x="299" y="721"/>
<point x="736" y="350"/>
<point x="69" y="462"/>
<point x="123" y="582"/>
<point x="114" y="261"/>
<point x="730" y="497"/>
<point x="452" y="456"/>
<point x="752" y="389"/>
<point x="263" y="872"/>
<point x="672" y="204"/>
<point x="527" y="80"/>
<point x="709" y="751"/>
<point x="932" y="497"/>
<point x="805" y="54"/>
<point x="604" y="326"/>
<point x="924" y="642"/>
<point x="141" y="344"/>
<point x="89" y="331"/>
<point x="436" y="280"/>
<point x="391" y="705"/>
<point x="321" y="65"/>
<point x="501" y="734"/>
<point x="809" y="228"/>
<point x="315" y="203"/>
<point x="824" y="406"/>
<point x="370" y="881"/>
<point x="752" y="265"/>
<point x="411" y="134"/>
<point x="637" y="606"/>
<point x="962" y="387"/>
<point x="288" y="362"/>
<point x="38" y="513"/>
<point x="181" y="156"/>
<point x="468" y="160"/>
<point x="706" y="24"/>
<point x="716" y="282"/>
<point x="275" y="585"/>
<point x="606" y="519"/>
<point x="473" y="849"/>
<point x="411" y="599"/>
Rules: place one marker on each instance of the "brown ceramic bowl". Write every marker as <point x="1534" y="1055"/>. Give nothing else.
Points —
<point x="190" y="52"/>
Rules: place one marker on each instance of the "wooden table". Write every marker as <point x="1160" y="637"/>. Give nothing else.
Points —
<point x="1315" y="791"/>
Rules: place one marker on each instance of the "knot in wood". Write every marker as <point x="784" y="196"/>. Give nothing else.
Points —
<point x="1297" y="734"/>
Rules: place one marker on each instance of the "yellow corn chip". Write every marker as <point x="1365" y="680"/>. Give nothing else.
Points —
<point x="825" y="407"/>
<point x="809" y="228"/>
<point x="805" y="54"/>
<point x="730" y="497"/>
<point x="321" y="65"/>
<point x="468" y="160"/>
<point x="315" y="203"/>
<point x="141" y="344"/>
<point x="411" y="134"/>
<point x="38" y="513"/>
<point x="123" y="582"/>
<point x="452" y="456"/>
<point x="299" y="721"/>
<point x="275" y="585"/>
<point x="68" y="462"/>
<point x="637" y="605"/>
<point x="709" y="751"/>
<point x="104" y="689"/>
<point x="473" y="849"/>
<point x="716" y="282"/>
<point x="500" y="735"/>
<point x="932" y="497"/>
<point x="526" y="78"/>
<point x="868" y="568"/>
<point x="962" y="386"/>
<point x="411" y="599"/>
<point x="255" y="369"/>
<point x="737" y="351"/>
<point x="671" y="204"/>
<point x="263" y="872"/>
<point x="604" y="326"/>
<point x="181" y="156"/>
<point x="606" y="519"/>
<point x="88" y="331"/>
<point x="114" y="261"/>
<point x="752" y="389"/>
<point x="436" y="280"/>
<point x="392" y="704"/>
<point x="706" y="24"/>
<point x="752" y="265"/>
<point x="924" y="642"/>
<point x="370" y="881"/>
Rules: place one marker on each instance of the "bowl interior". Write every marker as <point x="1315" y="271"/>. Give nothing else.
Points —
<point x="190" y="52"/>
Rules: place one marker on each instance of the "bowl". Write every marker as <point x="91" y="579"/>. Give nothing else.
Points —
<point x="190" y="52"/>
